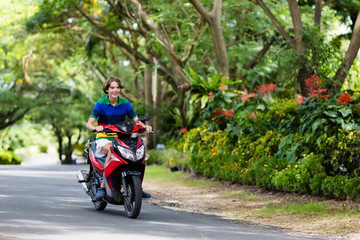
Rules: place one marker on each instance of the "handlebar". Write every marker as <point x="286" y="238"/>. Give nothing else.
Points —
<point x="105" y="130"/>
<point x="108" y="130"/>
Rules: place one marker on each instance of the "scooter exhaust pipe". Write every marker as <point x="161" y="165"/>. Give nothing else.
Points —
<point x="82" y="181"/>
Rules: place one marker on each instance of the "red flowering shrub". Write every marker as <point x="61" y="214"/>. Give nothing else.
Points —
<point x="184" y="130"/>
<point x="265" y="88"/>
<point x="229" y="114"/>
<point x="210" y="95"/>
<point x="252" y="115"/>
<point x="300" y="99"/>
<point x="315" y="87"/>
<point x="344" y="98"/>
<point x="246" y="97"/>
<point x="259" y="90"/>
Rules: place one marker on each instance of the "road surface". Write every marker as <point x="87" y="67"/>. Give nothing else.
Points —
<point x="46" y="202"/>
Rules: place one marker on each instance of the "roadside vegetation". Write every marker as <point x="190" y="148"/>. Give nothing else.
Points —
<point x="310" y="146"/>
<point x="261" y="93"/>
<point x="298" y="212"/>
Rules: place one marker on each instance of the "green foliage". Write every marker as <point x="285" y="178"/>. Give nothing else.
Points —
<point x="205" y="86"/>
<point x="9" y="157"/>
<point x="43" y="148"/>
<point x="341" y="152"/>
<point x="287" y="158"/>
<point x="155" y="157"/>
<point x="352" y="187"/>
<point x="171" y="157"/>
<point x="302" y="176"/>
<point x="320" y="115"/>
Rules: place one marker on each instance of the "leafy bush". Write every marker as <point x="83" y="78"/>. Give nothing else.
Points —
<point x="342" y="153"/>
<point x="155" y="157"/>
<point x="8" y="157"/>
<point x="176" y="160"/>
<point x="43" y="148"/>
<point x="352" y="187"/>
<point x="171" y="157"/>
<point x="308" y="148"/>
<point x="334" y="186"/>
<point x="302" y="176"/>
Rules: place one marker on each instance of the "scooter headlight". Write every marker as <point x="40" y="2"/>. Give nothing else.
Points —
<point x="126" y="153"/>
<point x="140" y="152"/>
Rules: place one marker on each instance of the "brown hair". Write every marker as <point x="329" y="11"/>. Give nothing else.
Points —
<point x="108" y="81"/>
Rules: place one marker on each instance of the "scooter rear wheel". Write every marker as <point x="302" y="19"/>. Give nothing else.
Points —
<point x="133" y="200"/>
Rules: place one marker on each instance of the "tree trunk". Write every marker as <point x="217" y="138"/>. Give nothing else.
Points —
<point x="69" y="150"/>
<point x="157" y="106"/>
<point x="298" y="42"/>
<point x="59" y="140"/>
<point x="302" y="75"/>
<point x="350" y="56"/>
<point x="213" y="18"/>
<point x="148" y="100"/>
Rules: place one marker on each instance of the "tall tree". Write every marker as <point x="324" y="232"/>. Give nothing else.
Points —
<point x="213" y="19"/>
<point x="298" y="42"/>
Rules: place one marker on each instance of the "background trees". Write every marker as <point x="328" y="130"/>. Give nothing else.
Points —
<point x="305" y="39"/>
<point x="57" y="53"/>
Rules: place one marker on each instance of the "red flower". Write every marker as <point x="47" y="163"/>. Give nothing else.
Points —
<point x="265" y="88"/>
<point x="314" y="87"/>
<point x="344" y="98"/>
<point x="218" y="112"/>
<point x="222" y="87"/>
<point x="252" y="115"/>
<point x="245" y="97"/>
<point x="184" y="130"/>
<point x="211" y="94"/>
<point x="229" y="114"/>
<point x="300" y="99"/>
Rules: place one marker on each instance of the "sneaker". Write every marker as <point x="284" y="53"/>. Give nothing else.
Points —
<point x="100" y="193"/>
<point x="146" y="195"/>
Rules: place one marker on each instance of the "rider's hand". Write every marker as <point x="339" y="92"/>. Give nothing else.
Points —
<point x="148" y="128"/>
<point x="99" y="128"/>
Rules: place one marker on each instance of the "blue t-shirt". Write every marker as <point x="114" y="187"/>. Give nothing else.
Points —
<point x="107" y="114"/>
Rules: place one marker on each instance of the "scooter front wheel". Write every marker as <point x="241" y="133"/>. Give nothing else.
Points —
<point x="133" y="196"/>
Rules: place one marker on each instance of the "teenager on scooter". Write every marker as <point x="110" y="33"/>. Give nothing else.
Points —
<point x="111" y="110"/>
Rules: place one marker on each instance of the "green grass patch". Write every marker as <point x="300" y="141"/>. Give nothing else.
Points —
<point x="306" y="209"/>
<point x="162" y="175"/>
<point x="246" y="196"/>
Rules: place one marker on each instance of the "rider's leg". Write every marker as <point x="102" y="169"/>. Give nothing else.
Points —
<point x="106" y="150"/>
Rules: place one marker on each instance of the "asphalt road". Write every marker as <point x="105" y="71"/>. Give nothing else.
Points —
<point x="46" y="202"/>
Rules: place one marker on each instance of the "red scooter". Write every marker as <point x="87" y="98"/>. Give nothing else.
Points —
<point x="123" y="174"/>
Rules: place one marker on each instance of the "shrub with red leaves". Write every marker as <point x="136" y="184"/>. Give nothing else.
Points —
<point x="315" y="87"/>
<point x="344" y="98"/>
<point x="265" y="88"/>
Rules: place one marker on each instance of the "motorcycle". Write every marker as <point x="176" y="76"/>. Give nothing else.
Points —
<point x="123" y="174"/>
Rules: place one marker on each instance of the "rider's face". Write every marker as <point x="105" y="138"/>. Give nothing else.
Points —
<point x="114" y="89"/>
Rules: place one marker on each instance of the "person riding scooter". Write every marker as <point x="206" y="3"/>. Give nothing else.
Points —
<point x="111" y="110"/>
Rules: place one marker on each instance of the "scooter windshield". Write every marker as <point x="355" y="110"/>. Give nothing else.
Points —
<point x="125" y="127"/>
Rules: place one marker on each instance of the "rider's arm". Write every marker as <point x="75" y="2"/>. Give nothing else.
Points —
<point x="147" y="127"/>
<point x="90" y="125"/>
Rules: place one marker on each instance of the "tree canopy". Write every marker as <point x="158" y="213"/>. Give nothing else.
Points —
<point x="57" y="53"/>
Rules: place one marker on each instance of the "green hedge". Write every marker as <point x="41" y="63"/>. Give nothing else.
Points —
<point x="309" y="148"/>
<point x="8" y="157"/>
<point x="306" y="175"/>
